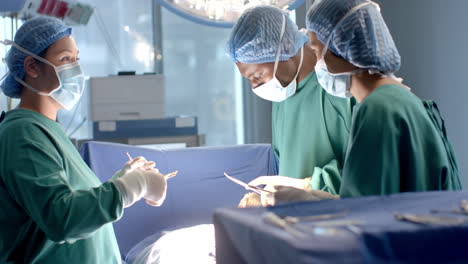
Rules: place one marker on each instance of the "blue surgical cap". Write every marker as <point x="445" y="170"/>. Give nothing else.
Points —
<point x="35" y="35"/>
<point x="363" y="38"/>
<point x="255" y="38"/>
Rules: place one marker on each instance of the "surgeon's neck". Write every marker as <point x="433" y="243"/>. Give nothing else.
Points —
<point x="308" y="63"/>
<point x="363" y="84"/>
<point x="43" y="105"/>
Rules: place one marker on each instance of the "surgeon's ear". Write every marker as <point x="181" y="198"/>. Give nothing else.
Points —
<point x="337" y="64"/>
<point x="31" y="67"/>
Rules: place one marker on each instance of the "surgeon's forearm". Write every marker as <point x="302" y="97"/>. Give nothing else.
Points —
<point x="77" y="215"/>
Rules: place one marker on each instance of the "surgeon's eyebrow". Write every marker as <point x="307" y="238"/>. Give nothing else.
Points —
<point x="70" y="51"/>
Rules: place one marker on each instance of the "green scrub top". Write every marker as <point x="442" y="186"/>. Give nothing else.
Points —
<point x="310" y="131"/>
<point x="395" y="146"/>
<point x="53" y="207"/>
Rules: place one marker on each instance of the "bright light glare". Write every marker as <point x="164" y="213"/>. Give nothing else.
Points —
<point x="144" y="53"/>
<point x="188" y="245"/>
<point x="224" y="10"/>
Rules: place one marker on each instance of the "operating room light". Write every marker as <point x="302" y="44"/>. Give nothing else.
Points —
<point x="142" y="50"/>
<point x="222" y="13"/>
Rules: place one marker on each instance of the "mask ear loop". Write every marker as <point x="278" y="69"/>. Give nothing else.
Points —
<point x="5" y="42"/>
<point x="25" y="84"/>
<point x="300" y="64"/>
<point x="5" y="75"/>
<point x="32" y="55"/>
<point x="8" y="42"/>
<point x="283" y="29"/>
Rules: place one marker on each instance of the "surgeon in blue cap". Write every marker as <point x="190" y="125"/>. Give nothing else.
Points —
<point x="310" y="127"/>
<point x="398" y="143"/>
<point x="53" y="208"/>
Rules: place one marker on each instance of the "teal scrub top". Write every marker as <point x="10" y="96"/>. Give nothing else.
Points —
<point x="53" y="208"/>
<point x="310" y="130"/>
<point x="396" y="146"/>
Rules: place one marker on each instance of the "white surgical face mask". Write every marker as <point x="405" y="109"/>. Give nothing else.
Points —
<point x="337" y="84"/>
<point x="70" y="76"/>
<point x="273" y="90"/>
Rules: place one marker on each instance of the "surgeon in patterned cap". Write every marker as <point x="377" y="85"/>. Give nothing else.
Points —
<point x="309" y="126"/>
<point x="397" y="142"/>
<point x="54" y="209"/>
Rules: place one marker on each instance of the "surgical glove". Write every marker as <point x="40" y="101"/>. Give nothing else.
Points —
<point x="281" y="181"/>
<point x="142" y="183"/>
<point x="133" y="164"/>
<point x="286" y="194"/>
<point x="250" y="200"/>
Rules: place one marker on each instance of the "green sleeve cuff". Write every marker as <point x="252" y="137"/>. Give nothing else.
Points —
<point x="327" y="179"/>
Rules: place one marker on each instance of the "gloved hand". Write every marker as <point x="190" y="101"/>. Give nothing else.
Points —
<point x="250" y="200"/>
<point x="285" y="194"/>
<point x="133" y="164"/>
<point x="142" y="182"/>
<point x="271" y="181"/>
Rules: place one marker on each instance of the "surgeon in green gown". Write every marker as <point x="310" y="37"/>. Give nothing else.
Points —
<point x="310" y="127"/>
<point x="398" y="143"/>
<point x="53" y="208"/>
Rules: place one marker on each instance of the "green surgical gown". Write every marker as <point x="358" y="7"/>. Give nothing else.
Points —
<point x="310" y="130"/>
<point x="53" y="207"/>
<point x="396" y="147"/>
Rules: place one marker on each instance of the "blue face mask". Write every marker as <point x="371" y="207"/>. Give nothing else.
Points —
<point x="336" y="84"/>
<point x="70" y="76"/>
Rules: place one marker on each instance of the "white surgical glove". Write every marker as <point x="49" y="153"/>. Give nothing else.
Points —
<point x="271" y="181"/>
<point x="133" y="164"/>
<point x="284" y="194"/>
<point x="140" y="183"/>
<point x="250" y="200"/>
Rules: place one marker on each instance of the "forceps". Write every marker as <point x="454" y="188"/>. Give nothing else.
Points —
<point x="167" y="176"/>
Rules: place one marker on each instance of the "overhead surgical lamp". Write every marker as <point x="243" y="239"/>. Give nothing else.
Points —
<point x="220" y="13"/>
